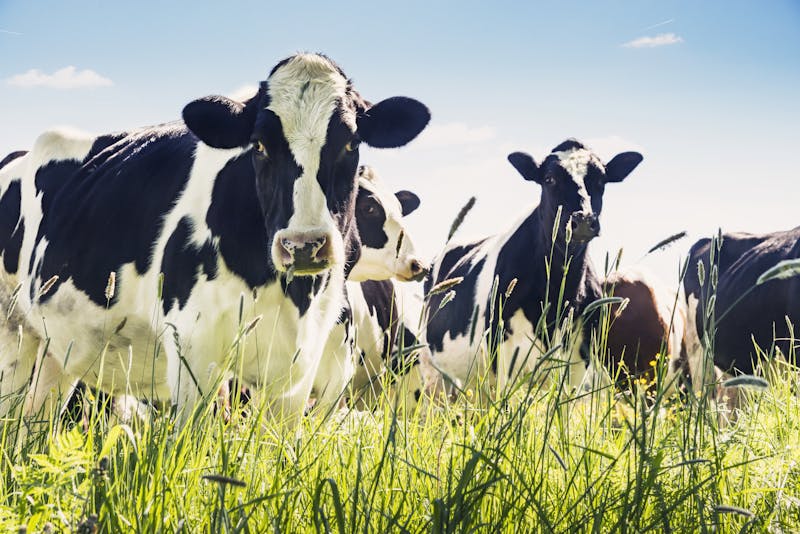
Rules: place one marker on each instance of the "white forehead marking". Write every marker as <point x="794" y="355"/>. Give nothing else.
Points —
<point x="303" y="94"/>
<point x="576" y="162"/>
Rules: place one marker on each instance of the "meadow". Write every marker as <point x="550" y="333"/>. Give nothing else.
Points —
<point x="539" y="458"/>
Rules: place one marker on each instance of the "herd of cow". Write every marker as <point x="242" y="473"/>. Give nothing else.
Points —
<point x="246" y="240"/>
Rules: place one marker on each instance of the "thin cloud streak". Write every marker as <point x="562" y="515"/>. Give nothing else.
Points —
<point x="668" y="21"/>
<point x="9" y="32"/>
<point x="662" y="39"/>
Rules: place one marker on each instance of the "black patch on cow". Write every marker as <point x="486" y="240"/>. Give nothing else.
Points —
<point x="453" y="318"/>
<point x="338" y="172"/>
<point x="108" y="212"/>
<point x="235" y="217"/>
<point x="302" y="289"/>
<point x="733" y="247"/>
<point x="346" y="313"/>
<point x="743" y="315"/>
<point x="12" y="250"/>
<point x="402" y="362"/>
<point x="370" y="219"/>
<point x="569" y="144"/>
<point x="382" y="305"/>
<point x="379" y="296"/>
<point x="182" y="263"/>
<point x="12" y="227"/>
<point x="102" y="142"/>
<point x="11" y="157"/>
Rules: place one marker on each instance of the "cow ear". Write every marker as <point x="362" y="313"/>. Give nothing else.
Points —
<point x="621" y="166"/>
<point x="393" y="122"/>
<point x="221" y="122"/>
<point x="408" y="201"/>
<point x="526" y="166"/>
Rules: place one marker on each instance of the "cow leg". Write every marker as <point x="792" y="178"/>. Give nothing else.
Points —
<point x="335" y="371"/>
<point x="50" y="387"/>
<point x="18" y="351"/>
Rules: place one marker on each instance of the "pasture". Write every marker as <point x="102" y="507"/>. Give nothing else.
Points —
<point x="538" y="458"/>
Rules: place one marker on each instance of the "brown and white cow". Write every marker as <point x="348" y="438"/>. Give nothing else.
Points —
<point x="649" y="325"/>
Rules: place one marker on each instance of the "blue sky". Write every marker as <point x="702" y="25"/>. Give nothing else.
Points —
<point x="713" y="105"/>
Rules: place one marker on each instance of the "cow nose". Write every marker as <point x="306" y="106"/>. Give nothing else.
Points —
<point x="418" y="271"/>
<point x="585" y="226"/>
<point x="304" y="253"/>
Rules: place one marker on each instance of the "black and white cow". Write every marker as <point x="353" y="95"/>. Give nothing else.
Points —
<point x="386" y="249"/>
<point x="365" y="332"/>
<point x="242" y="206"/>
<point x="573" y="181"/>
<point x="743" y="313"/>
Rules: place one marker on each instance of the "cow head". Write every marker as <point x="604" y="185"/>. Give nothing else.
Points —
<point x="386" y="249"/>
<point x="304" y="127"/>
<point x="574" y="178"/>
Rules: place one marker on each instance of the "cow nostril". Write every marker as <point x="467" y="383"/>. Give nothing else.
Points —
<point x="416" y="267"/>
<point x="324" y="250"/>
<point x="286" y="251"/>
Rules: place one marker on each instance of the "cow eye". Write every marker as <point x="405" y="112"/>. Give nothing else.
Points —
<point x="260" y="148"/>
<point x="550" y="179"/>
<point x="352" y="145"/>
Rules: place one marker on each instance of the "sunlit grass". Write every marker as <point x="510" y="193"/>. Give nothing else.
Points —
<point x="532" y="462"/>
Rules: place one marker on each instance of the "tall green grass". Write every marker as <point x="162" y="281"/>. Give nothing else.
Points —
<point x="538" y="457"/>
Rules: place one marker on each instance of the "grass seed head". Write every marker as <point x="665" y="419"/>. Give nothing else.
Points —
<point x="111" y="285"/>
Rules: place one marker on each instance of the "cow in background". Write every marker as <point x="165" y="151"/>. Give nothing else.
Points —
<point x="473" y="335"/>
<point x="650" y="325"/>
<point x="744" y="313"/>
<point x="366" y="337"/>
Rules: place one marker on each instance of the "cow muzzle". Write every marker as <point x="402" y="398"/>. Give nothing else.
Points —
<point x="585" y="227"/>
<point x="303" y="253"/>
<point x="413" y="270"/>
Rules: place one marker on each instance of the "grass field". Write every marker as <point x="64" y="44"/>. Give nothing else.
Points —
<point x="538" y="464"/>
<point x="538" y="459"/>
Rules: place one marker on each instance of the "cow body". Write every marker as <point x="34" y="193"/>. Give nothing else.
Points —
<point x="742" y="312"/>
<point x="650" y="325"/>
<point x="494" y="326"/>
<point x="243" y="211"/>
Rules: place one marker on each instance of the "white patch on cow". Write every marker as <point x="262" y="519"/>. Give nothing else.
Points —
<point x="60" y="144"/>
<point x="390" y="260"/>
<point x="576" y="162"/>
<point x="304" y="93"/>
<point x="336" y="368"/>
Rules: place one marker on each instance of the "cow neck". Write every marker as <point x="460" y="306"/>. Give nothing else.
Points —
<point x="540" y="228"/>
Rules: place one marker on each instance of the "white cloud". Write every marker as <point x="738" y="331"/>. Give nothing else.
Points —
<point x="66" y="78"/>
<point x="662" y="39"/>
<point x="453" y="134"/>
